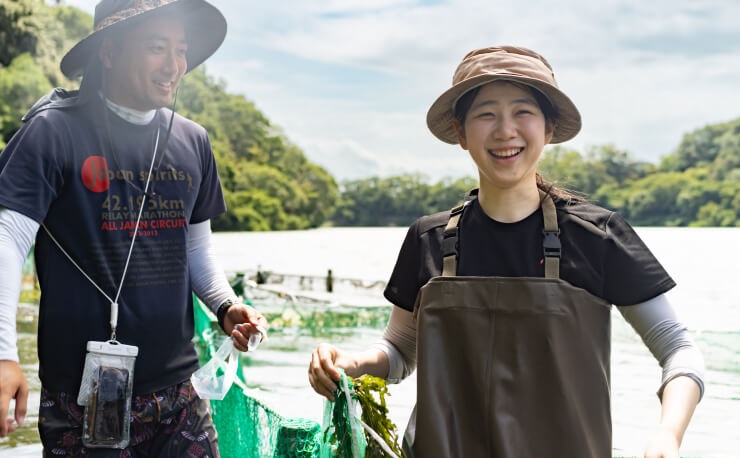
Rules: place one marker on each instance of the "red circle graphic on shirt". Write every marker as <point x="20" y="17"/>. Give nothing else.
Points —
<point x="95" y="174"/>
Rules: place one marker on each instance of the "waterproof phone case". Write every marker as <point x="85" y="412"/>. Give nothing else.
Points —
<point x="107" y="411"/>
<point x="107" y="384"/>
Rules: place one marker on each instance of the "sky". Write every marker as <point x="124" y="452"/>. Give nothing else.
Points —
<point x="350" y="81"/>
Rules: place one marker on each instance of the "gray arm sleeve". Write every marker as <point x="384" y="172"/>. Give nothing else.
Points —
<point x="206" y="275"/>
<point x="17" y="233"/>
<point x="667" y="339"/>
<point x="399" y="344"/>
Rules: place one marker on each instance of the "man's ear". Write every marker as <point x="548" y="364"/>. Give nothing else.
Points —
<point x="105" y="53"/>
<point x="460" y="130"/>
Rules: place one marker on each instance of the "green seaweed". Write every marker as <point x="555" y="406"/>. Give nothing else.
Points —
<point x="371" y="392"/>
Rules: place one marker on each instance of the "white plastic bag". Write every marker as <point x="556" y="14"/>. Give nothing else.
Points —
<point x="213" y="380"/>
<point x="256" y="338"/>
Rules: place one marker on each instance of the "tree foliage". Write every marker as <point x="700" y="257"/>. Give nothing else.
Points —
<point x="396" y="200"/>
<point x="20" y="85"/>
<point x="716" y="146"/>
<point x="269" y="184"/>
<point x="30" y="26"/>
<point x="697" y="185"/>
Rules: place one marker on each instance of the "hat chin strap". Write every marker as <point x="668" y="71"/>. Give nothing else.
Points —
<point x="92" y="80"/>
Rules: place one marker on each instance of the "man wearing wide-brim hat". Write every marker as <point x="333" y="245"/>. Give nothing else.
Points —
<point x="117" y="192"/>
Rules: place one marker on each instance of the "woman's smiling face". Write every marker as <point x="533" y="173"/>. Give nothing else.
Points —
<point x="505" y="132"/>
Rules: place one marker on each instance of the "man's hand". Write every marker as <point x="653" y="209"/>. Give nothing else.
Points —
<point x="241" y="322"/>
<point x="13" y="385"/>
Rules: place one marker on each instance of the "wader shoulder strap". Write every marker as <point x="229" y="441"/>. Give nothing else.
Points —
<point x="550" y="242"/>
<point x="451" y="236"/>
<point x="551" y="234"/>
<point x="449" y="242"/>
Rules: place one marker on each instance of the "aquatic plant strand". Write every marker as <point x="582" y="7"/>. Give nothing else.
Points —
<point x="371" y="393"/>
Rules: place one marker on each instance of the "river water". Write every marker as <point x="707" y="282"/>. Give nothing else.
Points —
<point x="703" y="261"/>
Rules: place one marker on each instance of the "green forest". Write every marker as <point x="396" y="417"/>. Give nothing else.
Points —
<point x="270" y="184"/>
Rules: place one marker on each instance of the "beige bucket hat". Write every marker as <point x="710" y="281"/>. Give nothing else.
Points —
<point x="205" y="27"/>
<point x="508" y="63"/>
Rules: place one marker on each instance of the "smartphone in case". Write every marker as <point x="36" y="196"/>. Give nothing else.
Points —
<point x="108" y="410"/>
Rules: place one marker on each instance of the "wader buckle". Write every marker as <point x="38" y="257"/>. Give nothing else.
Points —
<point x="551" y="243"/>
<point x="452" y="231"/>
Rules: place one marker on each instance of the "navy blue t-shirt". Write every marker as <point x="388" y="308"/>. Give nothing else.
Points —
<point x="64" y="170"/>
<point x="601" y="253"/>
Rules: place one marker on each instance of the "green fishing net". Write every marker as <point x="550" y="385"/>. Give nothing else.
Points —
<point x="343" y="435"/>
<point x="248" y="428"/>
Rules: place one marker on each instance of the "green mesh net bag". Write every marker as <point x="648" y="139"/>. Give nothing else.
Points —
<point x="343" y="435"/>
<point x="247" y="428"/>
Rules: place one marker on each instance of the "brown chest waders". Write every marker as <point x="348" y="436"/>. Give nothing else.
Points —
<point x="510" y="367"/>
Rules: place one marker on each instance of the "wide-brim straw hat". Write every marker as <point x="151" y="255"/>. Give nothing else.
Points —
<point x="205" y="28"/>
<point x="508" y="63"/>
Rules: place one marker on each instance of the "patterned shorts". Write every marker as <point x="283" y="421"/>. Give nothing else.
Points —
<point x="173" y="422"/>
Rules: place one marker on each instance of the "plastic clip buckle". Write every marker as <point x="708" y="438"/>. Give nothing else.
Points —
<point x="551" y="243"/>
<point x="449" y="244"/>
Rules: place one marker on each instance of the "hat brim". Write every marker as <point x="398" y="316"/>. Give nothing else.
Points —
<point x="439" y="116"/>
<point x="195" y="14"/>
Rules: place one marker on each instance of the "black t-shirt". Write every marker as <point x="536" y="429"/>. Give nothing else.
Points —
<point x="601" y="253"/>
<point x="60" y="170"/>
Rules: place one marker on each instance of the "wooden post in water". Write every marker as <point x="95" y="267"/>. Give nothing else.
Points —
<point x="329" y="282"/>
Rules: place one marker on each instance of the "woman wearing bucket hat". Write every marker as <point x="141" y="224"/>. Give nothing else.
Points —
<point x="502" y="304"/>
<point x="124" y="190"/>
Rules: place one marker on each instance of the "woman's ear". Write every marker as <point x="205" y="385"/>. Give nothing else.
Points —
<point x="549" y="131"/>
<point x="460" y="130"/>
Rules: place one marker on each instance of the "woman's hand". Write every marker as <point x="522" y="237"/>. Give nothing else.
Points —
<point x="662" y="445"/>
<point x="323" y="373"/>
<point x="680" y="397"/>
